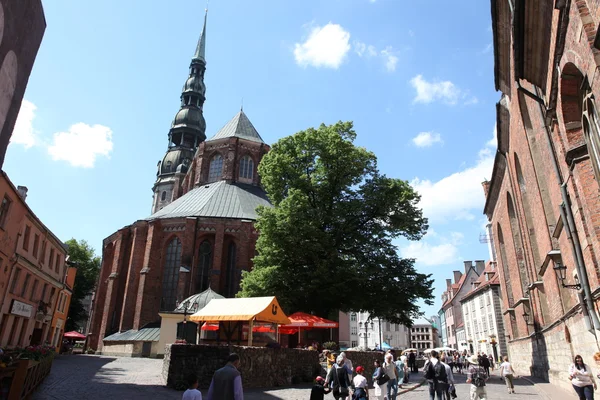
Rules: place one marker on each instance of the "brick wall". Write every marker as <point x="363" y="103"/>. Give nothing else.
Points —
<point x="260" y="366"/>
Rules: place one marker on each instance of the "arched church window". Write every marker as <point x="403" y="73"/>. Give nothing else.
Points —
<point x="171" y="275"/>
<point x="591" y="129"/>
<point x="215" y="169"/>
<point x="246" y="167"/>
<point x="231" y="272"/>
<point x="163" y="196"/>
<point x="204" y="266"/>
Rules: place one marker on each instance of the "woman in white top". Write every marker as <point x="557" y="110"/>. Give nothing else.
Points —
<point x="582" y="378"/>
<point x="389" y="367"/>
<point x="508" y="373"/>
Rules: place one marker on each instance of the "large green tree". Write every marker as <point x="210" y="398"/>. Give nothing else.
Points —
<point x="83" y="257"/>
<point x="326" y="244"/>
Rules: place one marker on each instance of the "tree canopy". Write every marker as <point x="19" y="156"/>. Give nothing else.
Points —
<point x="326" y="244"/>
<point x="82" y="255"/>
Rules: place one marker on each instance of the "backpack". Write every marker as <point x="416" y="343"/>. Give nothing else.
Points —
<point x="439" y="372"/>
<point x="479" y="378"/>
<point x="436" y="372"/>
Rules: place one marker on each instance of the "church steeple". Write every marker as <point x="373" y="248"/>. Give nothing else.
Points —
<point x="187" y="131"/>
<point x="201" y="47"/>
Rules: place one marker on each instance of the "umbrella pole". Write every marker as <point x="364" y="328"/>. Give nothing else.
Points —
<point x="250" y="332"/>
<point x="299" y="339"/>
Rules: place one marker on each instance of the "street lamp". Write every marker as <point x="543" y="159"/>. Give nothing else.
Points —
<point x="561" y="274"/>
<point x="526" y="317"/>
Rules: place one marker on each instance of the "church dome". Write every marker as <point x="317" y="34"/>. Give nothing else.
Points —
<point x="198" y="301"/>
<point x="189" y="117"/>
<point x="194" y="84"/>
<point x="176" y="160"/>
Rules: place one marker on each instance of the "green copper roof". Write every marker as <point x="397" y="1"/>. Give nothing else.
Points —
<point x="239" y="126"/>
<point x="201" y="47"/>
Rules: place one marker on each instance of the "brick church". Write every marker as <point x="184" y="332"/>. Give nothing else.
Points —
<point x="200" y="234"/>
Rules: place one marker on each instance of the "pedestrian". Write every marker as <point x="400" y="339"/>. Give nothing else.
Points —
<point x="380" y="380"/>
<point x="404" y="360"/>
<point x="348" y="365"/>
<point x="450" y="378"/>
<point x="361" y="386"/>
<point x="338" y="380"/>
<point x="437" y="377"/>
<point x="389" y="367"/>
<point x="226" y="383"/>
<point x="485" y="363"/>
<point x="491" y="358"/>
<point x="192" y="392"/>
<point x="412" y="361"/>
<point x="400" y="372"/>
<point x="319" y="390"/>
<point x="477" y="377"/>
<point x="507" y="372"/>
<point x="582" y="379"/>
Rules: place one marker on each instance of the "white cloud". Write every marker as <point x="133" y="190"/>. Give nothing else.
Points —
<point x="461" y="192"/>
<point x="364" y="50"/>
<point x="430" y="255"/>
<point x="389" y="58"/>
<point x="23" y="132"/>
<point x="428" y="92"/>
<point x="427" y="139"/>
<point x="82" y="144"/>
<point x="388" y="55"/>
<point x="411" y="33"/>
<point x="325" y="46"/>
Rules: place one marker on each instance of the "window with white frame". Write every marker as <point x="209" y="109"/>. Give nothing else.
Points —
<point x="591" y="129"/>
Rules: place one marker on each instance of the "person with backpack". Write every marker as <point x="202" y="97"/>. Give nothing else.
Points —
<point x="477" y="377"/>
<point x="338" y="380"/>
<point x="449" y="375"/>
<point x="437" y="377"/>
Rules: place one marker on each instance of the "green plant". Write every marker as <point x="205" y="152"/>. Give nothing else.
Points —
<point x="91" y="351"/>
<point x="331" y="346"/>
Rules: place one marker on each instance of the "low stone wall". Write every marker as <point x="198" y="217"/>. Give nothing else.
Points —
<point x="260" y="366"/>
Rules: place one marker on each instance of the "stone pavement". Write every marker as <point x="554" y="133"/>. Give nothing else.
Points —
<point x="79" y="377"/>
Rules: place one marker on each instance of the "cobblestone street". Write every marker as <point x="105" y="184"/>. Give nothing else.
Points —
<point x="95" y="377"/>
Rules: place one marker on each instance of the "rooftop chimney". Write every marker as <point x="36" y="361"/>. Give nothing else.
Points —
<point x="468" y="264"/>
<point x="479" y="266"/>
<point x="22" y="192"/>
<point x="457" y="276"/>
<point x="486" y="187"/>
<point x="448" y="283"/>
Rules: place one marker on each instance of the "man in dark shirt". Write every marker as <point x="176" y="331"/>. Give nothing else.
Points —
<point x="319" y="390"/>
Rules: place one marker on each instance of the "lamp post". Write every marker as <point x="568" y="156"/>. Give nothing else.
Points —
<point x="527" y="317"/>
<point x="561" y="273"/>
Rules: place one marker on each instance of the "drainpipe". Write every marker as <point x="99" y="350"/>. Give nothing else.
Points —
<point x="569" y="224"/>
<point x="193" y="266"/>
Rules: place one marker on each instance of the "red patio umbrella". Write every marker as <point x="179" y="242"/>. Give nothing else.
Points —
<point x="74" y="335"/>
<point x="302" y="320"/>
<point x="210" y="327"/>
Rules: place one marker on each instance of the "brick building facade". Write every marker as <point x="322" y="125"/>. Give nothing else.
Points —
<point x="22" y="26"/>
<point x="35" y="281"/>
<point x="451" y="310"/>
<point x="201" y="232"/>
<point x="543" y="199"/>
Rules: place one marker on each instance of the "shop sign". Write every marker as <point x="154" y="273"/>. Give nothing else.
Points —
<point x="22" y="309"/>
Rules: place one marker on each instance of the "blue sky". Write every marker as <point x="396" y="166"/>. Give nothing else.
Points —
<point x="415" y="77"/>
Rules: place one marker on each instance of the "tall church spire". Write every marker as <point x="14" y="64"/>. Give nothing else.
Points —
<point x="187" y="131"/>
<point x="201" y="47"/>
